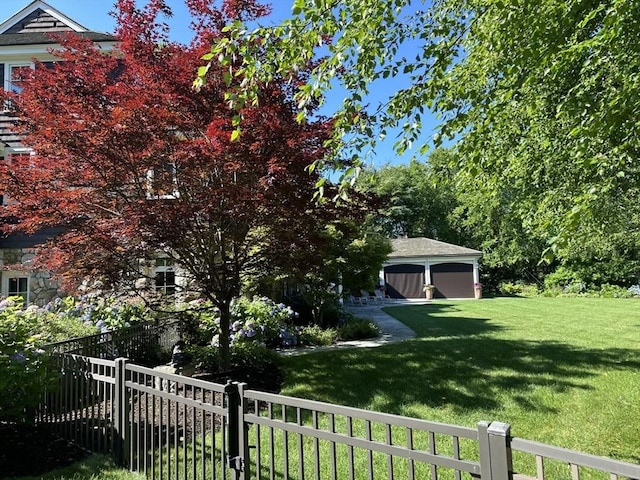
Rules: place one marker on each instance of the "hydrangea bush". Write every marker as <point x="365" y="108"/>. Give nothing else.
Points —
<point x="24" y="375"/>
<point x="259" y="320"/>
<point x="262" y="321"/>
<point x="65" y="318"/>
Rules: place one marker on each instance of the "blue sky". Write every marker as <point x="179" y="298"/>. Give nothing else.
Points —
<point x="94" y="15"/>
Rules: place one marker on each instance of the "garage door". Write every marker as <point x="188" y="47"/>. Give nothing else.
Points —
<point x="453" y="280"/>
<point x="404" y="281"/>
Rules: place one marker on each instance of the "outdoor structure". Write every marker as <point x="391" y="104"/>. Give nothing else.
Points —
<point x="26" y="36"/>
<point x="420" y="267"/>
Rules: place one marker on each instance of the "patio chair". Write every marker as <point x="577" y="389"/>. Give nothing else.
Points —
<point x="364" y="294"/>
<point x="382" y="297"/>
<point x="356" y="301"/>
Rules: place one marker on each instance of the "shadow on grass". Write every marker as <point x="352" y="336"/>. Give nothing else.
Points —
<point x="453" y="362"/>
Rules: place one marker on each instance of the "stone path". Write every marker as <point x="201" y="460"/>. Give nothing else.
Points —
<point x="392" y="330"/>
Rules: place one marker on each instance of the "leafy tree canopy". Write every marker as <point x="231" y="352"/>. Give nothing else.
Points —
<point x="413" y="201"/>
<point x="540" y="95"/>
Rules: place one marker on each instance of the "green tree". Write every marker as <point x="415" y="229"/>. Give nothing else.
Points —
<point x="540" y="94"/>
<point x="344" y="253"/>
<point x="413" y="201"/>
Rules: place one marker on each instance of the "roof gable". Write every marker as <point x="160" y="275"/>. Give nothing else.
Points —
<point x="427" y="247"/>
<point x="40" y="17"/>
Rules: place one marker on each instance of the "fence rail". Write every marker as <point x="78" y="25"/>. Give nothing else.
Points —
<point x="173" y="427"/>
<point x="573" y="463"/>
<point x="134" y="342"/>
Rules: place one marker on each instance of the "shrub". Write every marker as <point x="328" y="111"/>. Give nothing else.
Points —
<point x="517" y="288"/>
<point x="205" y="358"/>
<point x="314" y="335"/>
<point x="259" y="320"/>
<point x="263" y="321"/>
<point x="357" y="329"/>
<point x="65" y="318"/>
<point x="24" y="375"/>
<point x="564" y="278"/>
<point x="200" y="322"/>
<point x="254" y="356"/>
<point x="634" y="290"/>
<point x="243" y="355"/>
<point x="614" y="291"/>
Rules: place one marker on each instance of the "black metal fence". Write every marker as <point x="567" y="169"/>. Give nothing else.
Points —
<point x="173" y="427"/>
<point x="137" y="342"/>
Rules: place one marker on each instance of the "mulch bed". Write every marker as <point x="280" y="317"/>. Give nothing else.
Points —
<point x="31" y="450"/>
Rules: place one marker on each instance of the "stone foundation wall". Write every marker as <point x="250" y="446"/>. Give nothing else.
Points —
<point x="42" y="287"/>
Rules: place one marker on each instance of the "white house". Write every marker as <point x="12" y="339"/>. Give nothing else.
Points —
<point x="25" y="36"/>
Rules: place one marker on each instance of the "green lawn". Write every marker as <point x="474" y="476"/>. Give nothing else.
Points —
<point x="564" y="371"/>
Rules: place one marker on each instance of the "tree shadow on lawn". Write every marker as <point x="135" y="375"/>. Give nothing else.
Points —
<point x="453" y="363"/>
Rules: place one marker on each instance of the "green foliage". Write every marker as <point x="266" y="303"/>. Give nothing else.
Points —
<point x="205" y="358"/>
<point x="413" y="201"/>
<point x="314" y="335"/>
<point x="363" y="259"/>
<point x="24" y="375"/>
<point x="541" y="99"/>
<point x="347" y="253"/>
<point x="23" y="333"/>
<point x="358" y="329"/>
<point x="262" y="321"/>
<point x="563" y="279"/>
<point x="615" y="291"/>
<point x="242" y="355"/>
<point x="254" y="356"/>
<point x="517" y="289"/>
<point x="200" y="322"/>
<point x="259" y="320"/>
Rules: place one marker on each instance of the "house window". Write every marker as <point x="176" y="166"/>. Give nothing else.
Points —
<point x="15" y="76"/>
<point x="165" y="276"/>
<point x="163" y="182"/>
<point x="12" y="155"/>
<point x="16" y="284"/>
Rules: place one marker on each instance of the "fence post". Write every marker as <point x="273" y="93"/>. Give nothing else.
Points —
<point x="120" y="412"/>
<point x="244" y="433"/>
<point x="236" y="439"/>
<point x="495" y="455"/>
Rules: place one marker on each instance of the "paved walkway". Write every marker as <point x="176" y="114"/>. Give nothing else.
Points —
<point x="392" y="330"/>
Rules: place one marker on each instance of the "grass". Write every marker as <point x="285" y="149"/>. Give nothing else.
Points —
<point x="563" y="371"/>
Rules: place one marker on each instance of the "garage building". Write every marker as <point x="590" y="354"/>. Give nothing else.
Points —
<point x="416" y="262"/>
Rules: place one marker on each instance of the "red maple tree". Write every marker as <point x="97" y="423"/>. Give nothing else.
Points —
<point x="134" y="163"/>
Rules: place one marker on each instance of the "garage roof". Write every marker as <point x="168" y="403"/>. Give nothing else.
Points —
<point x="427" y="247"/>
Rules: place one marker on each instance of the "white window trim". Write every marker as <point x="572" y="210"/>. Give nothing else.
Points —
<point x="7" y="77"/>
<point x="8" y="153"/>
<point x="151" y="195"/>
<point x="165" y="269"/>
<point x="8" y="274"/>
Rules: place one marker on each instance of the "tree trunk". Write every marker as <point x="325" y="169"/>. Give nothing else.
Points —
<point x="224" y="350"/>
